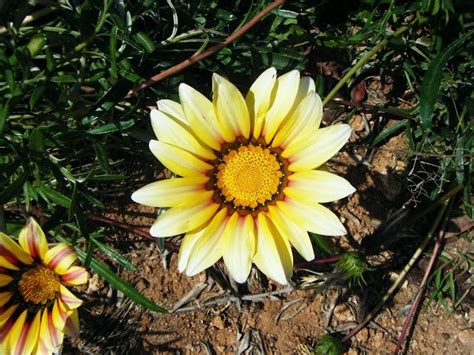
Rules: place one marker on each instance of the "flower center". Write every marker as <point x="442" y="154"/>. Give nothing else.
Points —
<point x="249" y="176"/>
<point x="39" y="285"/>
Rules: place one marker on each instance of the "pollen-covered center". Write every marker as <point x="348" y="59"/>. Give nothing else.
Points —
<point x="249" y="176"/>
<point x="39" y="285"/>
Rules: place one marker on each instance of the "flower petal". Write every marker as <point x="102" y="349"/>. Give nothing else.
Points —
<point x="200" y="115"/>
<point x="305" y="120"/>
<point x="12" y="253"/>
<point x="178" y="160"/>
<point x="283" y="97"/>
<point x="5" y="297"/>
<point x="317" y="185"/>
<point x="173" y="192"/>
<point x="72" y="326"/>
<point x="314" y="218"/>
<point x="75" y="276"/>
<point x="187" y="246"/>
<point x="230" y="107"/>
<point x="318" y="149"/>
<point x="24" y="334"/>
<point x="179" y="220"/>
<point x="273" y="256"/>
<point x="258" y="99"/>
<point x="51" y="337"/>
<point x="297" y="236"/>
<point x="69" y="299"/>
<point x="59" y="315"/>
<point x="5" y="279"/>
<point x="170" y="130"/>
<point x="33" y="240"/>
<point x="172" y="108"/>
<point x="238" y="246"/>
<point x="207" y="250"/>
<point x="60" y="258"/>
<point x="5" y="314"/>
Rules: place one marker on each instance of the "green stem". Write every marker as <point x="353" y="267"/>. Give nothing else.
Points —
<point x="361" y="63"/>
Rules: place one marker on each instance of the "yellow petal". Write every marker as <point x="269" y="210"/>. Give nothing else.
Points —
<point x="238" y="246"/>
<point x="59" y="315"/>
<point x="283" y="97"/>
<point x="306" y="85"/>
<point x="174" y="192"/>
<point x="49" y="335"/>
<point x="5" y="297"/>
<point x="314" y="218"/>
<point x="178" y="160"/>
<point x="172" y="108"/>
<point x="69" y="299"/>
<point x="207" y="250"/>
<point x="178" y="220"/>
<point x="6" y="321"/>
<point x="170" y="130"/>
<point x="12" y="252"/>
<point x="297" y="236"/>
<point x="319" y="148"/>
<point x="5" y="280"/>
<point x="258" y="99"/>
<point x="33" y="240"/>
<point x="317" y="185"/>
<point x="24" y="334"/>
<point x="304" y="120"/>
<point x="187" y="246"/>
<point x="230" y="107"/>
<point x="60" y="258"/>
<point x="7" y="264"/>
<point x="200" y="116"/>
<point x="273" y="256"/>
<point x="74" y="276"/>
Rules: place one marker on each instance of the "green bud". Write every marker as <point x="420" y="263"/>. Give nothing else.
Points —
<point x="328" y="345"/>
<point x="36" y="44"/>
<point x="353" y="265"/>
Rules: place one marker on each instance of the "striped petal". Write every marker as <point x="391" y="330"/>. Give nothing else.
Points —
<point x="60" y="258"/>
<point x="170" y="130"/>
<point x="207" y="250"/>
<point x="75" y="276"/>
<point x="314" y="218"/>
<point x="200" y="116"/>
<point x="297" y="236"/>
<point x="283" y="98"/>
<point x="303" y="121"/>
<point x="258" y="99"/>
<point x="12" y="253"/>
<point x="178" y="220"/>
<point x="178" y="160"/>
<point x="317" y="149"/>
<point x="5" y="279"/>
<point x="59" y="315"/>
<point x="317" y="185"/>
<point x="5" y="314"/>
<point x="238" y="246"/>
<point x="72" y="326"/>
<point x="33" y="240"/>
<point x="172" y="108"/>
<point x="51" y="337"/>
<point x="5" y="297"/>
<point x="174" y="192"/>
<point x="230" y="107"/>
<point x="23" y="336"/>
<point x="69" y="300"/>
<point x="273" y="256"/>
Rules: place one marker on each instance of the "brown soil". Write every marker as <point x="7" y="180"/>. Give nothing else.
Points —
<point x="218" y="317"/>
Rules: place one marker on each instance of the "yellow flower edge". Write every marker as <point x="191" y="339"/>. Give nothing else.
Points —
<point x="249" y="187"/>
<point x="36" y="307"/>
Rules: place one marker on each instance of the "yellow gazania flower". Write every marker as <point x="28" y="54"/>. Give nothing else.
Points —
<point x="249" y="188"/>
<point x="36" y="308"/>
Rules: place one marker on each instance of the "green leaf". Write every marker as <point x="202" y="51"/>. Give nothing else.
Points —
<point x="321" y="243"/>
<point x="144" y="41"/>
<point x="111" y="127"/>
<point x="431" y="82"/>
<point x="12" y="189"/>
<point x="120" y="284"/>
<point x="56" y="196"/>
<point x="389" y="131"/>
<point x="115" y="255"/>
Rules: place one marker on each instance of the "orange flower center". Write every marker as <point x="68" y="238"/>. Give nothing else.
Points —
<point x="39" y="285"/>
<point x="249" y="176"/>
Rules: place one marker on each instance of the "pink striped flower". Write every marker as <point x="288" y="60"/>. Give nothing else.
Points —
<point x="36" y="308"/>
